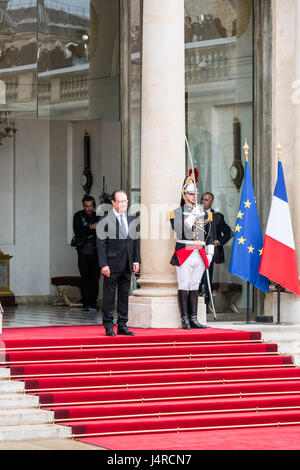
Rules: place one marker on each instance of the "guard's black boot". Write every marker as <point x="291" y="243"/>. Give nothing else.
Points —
<point x="183" y="307"/>
<point x="193" y="309"/>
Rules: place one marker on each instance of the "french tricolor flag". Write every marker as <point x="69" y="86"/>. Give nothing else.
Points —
<point x="278" y="262"/>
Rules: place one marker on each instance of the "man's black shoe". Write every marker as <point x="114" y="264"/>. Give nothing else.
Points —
<point x="85" y="308"/>
<point x="123" y="330"/>
<point x="110" y="332"/>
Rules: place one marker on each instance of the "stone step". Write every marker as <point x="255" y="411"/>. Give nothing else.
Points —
<point x="20" y="417"/>
<point x="4" y="372"/>
<point x="17" y="401"/>
<point x="27" y="416"/>
<point x="9" y="386"/>
<point x="285" y="335"/>
<point x="34" y="431"/>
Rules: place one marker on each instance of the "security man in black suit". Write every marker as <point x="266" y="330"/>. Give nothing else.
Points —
<point x="84" y="226"/>
<point x="222" y="233"/>
<point x="118" y="249"/>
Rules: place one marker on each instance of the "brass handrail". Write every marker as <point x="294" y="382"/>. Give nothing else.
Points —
<point x="192" y="397"/>
<point x="144" y="371"/>
<point x="100" y="346"/>
<point x="203" y="428"/>
<point x="178" y="413"/>
<point x="159" y="384"/>
<point x="139" y="358"/>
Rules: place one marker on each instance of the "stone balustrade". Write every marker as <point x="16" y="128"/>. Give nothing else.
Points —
<point x="204" y="61"/>
<point x="213" y="59"/>
<point x="24" y="86"/>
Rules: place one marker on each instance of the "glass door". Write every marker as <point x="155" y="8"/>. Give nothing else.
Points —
<point x="219" y="117"/>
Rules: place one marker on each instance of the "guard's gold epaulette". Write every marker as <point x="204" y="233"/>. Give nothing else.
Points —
<point x="170" y="215"/>
<point x="210" y="216"/>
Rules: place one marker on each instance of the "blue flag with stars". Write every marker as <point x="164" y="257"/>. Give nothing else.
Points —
<point x="247" y="243"/>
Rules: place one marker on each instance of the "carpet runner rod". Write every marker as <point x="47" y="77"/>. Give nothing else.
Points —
<point x="158" y="384"/>
<point x="156" y="399"/>
<point x="146" y="371"/>
<point x="139" y="358"/>
<point x="173" y="343"/>
<point x="176" y="413"/>
<point x="178" y="429"/>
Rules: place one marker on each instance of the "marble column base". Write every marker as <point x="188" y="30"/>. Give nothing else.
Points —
<point x="289" y="307"/>
<point x="159" y="312"/>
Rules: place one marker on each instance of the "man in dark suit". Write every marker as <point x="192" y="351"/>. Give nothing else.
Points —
<point x="84" y="226"/>
<point x="221" y="235"/>
<point x="119" y="255"/>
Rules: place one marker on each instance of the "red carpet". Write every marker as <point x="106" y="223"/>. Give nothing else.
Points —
<point x="161" y="389"/>
<point x="269" y="439"/>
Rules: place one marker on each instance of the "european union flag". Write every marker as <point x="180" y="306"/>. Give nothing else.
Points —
<point x="247" y="244"/>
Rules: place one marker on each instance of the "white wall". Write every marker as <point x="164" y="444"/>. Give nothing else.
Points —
<point x="26" y="233"/>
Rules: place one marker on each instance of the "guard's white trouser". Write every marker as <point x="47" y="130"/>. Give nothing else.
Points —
<point x="190" y="273"/>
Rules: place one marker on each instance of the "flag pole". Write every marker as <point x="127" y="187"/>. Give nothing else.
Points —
<point x="248" y="302"/>
<point x="279" y="150"/>
<point x="278" y="304"/>
<point x="246" y="151"/>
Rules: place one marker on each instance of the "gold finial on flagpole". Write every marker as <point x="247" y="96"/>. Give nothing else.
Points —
<point x="246" y="149"/>
<point x="279" y="151"/>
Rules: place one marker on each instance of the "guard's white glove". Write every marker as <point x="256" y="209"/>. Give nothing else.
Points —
<point x="210" y="250"/>
<point x="190" y="220"/>
<point x="197" y="212"/>
<point x="209" y="257"/>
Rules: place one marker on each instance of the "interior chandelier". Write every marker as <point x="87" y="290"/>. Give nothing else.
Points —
<point x="7" y="126"/>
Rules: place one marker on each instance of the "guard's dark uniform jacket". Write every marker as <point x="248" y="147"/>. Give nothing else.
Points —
<point x="85" y="236"/>
<point x="204" y="235"/>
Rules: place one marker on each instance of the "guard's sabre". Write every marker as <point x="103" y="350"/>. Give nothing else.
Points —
<point x="193" y="170"/>
<point x="210" y="293"/>
<point x="196" y="194"/>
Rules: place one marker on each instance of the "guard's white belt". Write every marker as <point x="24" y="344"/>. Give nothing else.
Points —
<point x="191" y="242"/>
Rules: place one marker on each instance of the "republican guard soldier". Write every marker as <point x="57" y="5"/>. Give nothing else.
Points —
<point x="194" y="250"/>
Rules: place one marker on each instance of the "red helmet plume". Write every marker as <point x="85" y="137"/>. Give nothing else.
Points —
<point x="196" y="173"/>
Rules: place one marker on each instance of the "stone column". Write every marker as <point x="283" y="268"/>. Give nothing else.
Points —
<point x="285" y="123"/>
<point x="296" y="182"/>
<point x="296" y="163"/>
<point x="154" y="304"/>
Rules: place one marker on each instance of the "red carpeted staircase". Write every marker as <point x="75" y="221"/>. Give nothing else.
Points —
<point x="157" y="381"/>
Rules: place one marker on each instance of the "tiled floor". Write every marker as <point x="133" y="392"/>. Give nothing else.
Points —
<point x="32" y="315"/>
<point x="47" y="315"/>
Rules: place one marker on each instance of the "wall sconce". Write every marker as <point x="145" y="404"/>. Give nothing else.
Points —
<point x="7" y="126"/>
